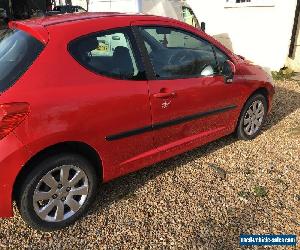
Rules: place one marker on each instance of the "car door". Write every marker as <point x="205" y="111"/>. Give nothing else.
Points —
<point x="190" y="100"/>
<point x="117" y="97"/>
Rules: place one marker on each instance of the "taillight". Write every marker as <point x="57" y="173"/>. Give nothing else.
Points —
<point x="11" y="115"/>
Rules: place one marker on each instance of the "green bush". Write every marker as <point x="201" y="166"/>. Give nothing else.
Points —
<point x="283" y="74"/>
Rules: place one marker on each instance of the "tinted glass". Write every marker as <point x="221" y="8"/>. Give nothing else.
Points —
<point x="222" y="58"/>
<point x="18" y="50"/>
<point x="108" y="53"/>
<point x="178" y="54"/>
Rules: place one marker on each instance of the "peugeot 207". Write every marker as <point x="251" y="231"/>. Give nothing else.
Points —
<point x="86" y="98"/>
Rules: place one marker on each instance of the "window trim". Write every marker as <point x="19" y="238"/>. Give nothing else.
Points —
<point x="137" y="56"/>
<point x="150" y="67"/>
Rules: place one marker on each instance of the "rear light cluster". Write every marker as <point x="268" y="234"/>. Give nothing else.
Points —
<point x="11" y="115"/>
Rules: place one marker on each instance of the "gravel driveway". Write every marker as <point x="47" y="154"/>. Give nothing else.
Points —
<point x="202" y="199"/>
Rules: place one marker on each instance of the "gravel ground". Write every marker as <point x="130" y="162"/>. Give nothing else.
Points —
<point x="203" y="199"/>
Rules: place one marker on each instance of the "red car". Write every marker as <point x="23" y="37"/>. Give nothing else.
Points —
<point x="86" y="98"/>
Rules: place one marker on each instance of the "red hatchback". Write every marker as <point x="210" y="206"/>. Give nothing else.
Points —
<point x="85" y="98"/>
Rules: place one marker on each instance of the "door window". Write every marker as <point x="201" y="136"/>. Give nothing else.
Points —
<point x="108" y="53"/>
<point x="178" y="54"/>
<point x="222" y="58"/>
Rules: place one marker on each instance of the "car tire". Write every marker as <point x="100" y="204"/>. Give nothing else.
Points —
<point x="252" y="117"/>
<point x="67" y="183"/>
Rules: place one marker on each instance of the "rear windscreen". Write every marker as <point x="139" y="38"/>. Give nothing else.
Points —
<point x="18" y="50"/>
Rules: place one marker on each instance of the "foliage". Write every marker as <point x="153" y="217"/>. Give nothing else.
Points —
<point x="283" y="74"/>
<point x="260" y="191"/>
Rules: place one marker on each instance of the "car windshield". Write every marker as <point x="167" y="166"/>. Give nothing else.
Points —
<point x="18" y="50"/>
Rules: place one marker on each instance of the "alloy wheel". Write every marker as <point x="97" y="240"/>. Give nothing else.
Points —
<point x="253" y="118"/>
<point x="60" y="193"/>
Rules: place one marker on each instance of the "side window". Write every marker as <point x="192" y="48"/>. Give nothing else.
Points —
<point x="108" y="53"/>
<point x="178" y="54"/>
<point x="222" y="58"/>
<point x="189" y="17"/>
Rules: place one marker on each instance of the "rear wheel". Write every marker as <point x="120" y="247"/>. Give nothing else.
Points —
<point x="57" y="192"/>
<point x="252" y="117"/>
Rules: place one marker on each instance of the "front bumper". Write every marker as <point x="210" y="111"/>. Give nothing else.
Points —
<point x="13" y="155"/>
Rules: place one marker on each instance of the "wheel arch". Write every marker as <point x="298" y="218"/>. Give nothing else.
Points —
<point x="80" y="148"/>
<point x="263" y="91"/>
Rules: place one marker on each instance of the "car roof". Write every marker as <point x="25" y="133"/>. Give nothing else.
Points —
<point x="37" y="26"/>
<point x="72" y="17"/>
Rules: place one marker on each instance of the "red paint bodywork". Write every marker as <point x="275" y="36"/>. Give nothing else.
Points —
<point x="68" y="103"/>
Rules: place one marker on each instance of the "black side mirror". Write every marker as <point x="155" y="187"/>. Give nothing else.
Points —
<point x="228" y="71"/>
<point x="203" y="26"/>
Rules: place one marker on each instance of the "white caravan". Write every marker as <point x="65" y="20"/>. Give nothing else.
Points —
<point x="169" y="8"/>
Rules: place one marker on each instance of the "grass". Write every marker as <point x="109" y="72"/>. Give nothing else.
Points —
<point x="260" y="191"/>
<point x="283" y="74"/>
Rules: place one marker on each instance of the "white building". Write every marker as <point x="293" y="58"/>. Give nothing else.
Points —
<point x="260" y="30"/>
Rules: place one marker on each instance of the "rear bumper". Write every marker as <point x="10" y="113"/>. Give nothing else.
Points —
<point x="12" y="157"/>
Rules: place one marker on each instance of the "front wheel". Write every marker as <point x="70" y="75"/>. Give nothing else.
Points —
<point x="57" y="192"/>
<point x="252" y="117"/>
